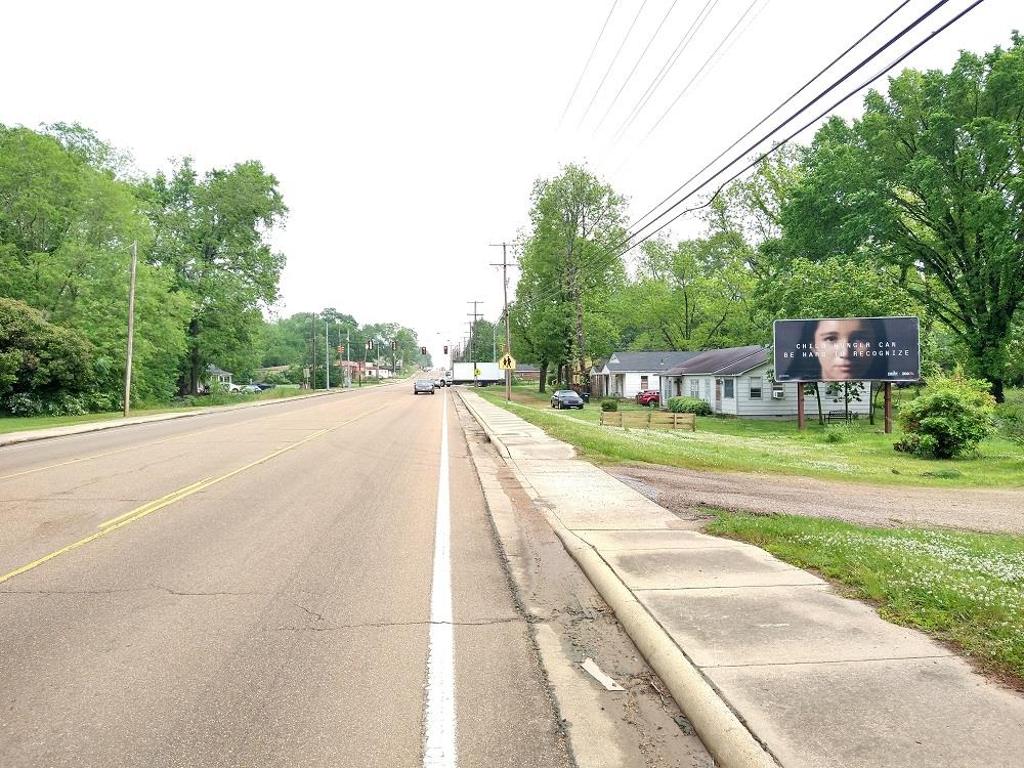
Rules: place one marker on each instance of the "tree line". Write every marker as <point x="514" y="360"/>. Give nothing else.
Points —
<point x="71" y="206"/>
<point x="916" y="207"/>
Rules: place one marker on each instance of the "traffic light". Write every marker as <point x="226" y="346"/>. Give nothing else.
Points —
<point x="394" y="344"/>
<point x="369" y="344"/>
<point x="341" y="349"/>
<point x="446" y="349"/>
<point x="423" y="350"/>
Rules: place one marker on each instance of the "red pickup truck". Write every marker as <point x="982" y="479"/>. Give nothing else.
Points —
<point x="648" y="397"/>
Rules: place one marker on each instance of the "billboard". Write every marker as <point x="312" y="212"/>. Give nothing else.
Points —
<point x="848" y="349"/>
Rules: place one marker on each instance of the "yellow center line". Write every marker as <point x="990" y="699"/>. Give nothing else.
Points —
<point x="149" y="508"/>
<point x="138" y="446"/>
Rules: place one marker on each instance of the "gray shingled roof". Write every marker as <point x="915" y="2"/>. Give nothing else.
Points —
<point x="730" y="361"/>
<point x="646" y="362"/>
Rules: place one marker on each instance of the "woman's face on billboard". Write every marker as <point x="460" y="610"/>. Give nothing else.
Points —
<point x="835" y="342"/>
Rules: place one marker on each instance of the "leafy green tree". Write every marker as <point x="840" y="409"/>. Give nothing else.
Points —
<point x="212" y="232"/>
<point x="929" y="180"/>
<point x="694" y="295"/>
<point x="65" y="232"/>
<point x="42" y="366"/>
<point x="570" y="260"/>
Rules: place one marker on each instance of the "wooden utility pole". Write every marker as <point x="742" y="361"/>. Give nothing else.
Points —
<point x="131" y="329"/>
<point x="472" y="336"/>
<point x="508" y="334"/>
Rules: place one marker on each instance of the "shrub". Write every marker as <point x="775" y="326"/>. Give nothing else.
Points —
<point x="1010" y="421"/>
<point x="609" y="405"/>
<point x="949" y="418"/>
<point x="837" y="433"/>
<point x="692" y="405"/>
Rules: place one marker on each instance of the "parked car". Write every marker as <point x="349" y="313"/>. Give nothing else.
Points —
<point x="263" y="385"/>
<point x="648" y="397"/>
<point x="250" y="389"/>
<point x="566" y="398"/>
<point x="424" y="386"/>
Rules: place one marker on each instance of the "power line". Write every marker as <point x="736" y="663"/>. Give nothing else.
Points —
<point x="625" y="82"/>
<point x="612" y="64"/>
<point x="585" y="66"/>
<point x="703" y="66"/>
<point x="681" y="46"/>
<point x="777" y="109"/>
<point x="795" y="133"/>
<point x="860" y="65"/>
<point x="631" y="245"/>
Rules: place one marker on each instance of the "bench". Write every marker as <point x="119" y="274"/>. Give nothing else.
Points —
<point x="834" y="417"/>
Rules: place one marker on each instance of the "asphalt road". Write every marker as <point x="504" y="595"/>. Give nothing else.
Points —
<point x="254" y="589"/>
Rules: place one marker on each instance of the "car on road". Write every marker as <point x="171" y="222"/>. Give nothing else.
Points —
<point x="438" y="383"/>
<point x="649" y="397"/>
<point x="566" y="398"/>
<point x="423" y="386"/>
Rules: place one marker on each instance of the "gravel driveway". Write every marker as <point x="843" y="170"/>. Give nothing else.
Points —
<point x="684" y="491"/>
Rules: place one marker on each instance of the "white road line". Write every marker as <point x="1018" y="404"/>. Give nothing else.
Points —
<point x="439" y="717"/>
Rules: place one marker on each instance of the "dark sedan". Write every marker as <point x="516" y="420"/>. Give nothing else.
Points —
<point x="423" y="386"/>
<point x="566" y="398"/>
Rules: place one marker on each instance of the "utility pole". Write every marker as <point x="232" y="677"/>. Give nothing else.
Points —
<point x="508" y="334"/>
<point x="131" y="329"/>
<point x="327" y="353"/>
<point x="312" y="343"/>
<point x="472" y="336"/>
<point x="348" y="360"/>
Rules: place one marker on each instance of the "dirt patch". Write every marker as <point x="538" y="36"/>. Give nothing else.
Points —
<point x="686" y="491"/>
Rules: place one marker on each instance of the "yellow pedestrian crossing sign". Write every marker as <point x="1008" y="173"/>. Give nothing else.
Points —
<point x="507" y="363"/>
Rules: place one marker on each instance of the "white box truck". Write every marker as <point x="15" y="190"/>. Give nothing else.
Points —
<point x="483" y="373"/>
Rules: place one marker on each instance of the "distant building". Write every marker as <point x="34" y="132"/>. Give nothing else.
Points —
<point x="624" y="374"/>
<point x="218" y="377"/>
<point x="527" y="372"/>
<point x="735" y="381"/>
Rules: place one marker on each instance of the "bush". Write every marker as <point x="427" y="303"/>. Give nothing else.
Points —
<point x="692" y="405"/>
<point x="1010" y="421"/>
<point x="609" y="405"/>
<point x="949" y="418"/>
<point x="837" y="433"/>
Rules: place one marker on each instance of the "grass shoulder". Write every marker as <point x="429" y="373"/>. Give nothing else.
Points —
<point x="964" y="589"/>
<point x="10" y="424"/>
<point x="862" y="453"/>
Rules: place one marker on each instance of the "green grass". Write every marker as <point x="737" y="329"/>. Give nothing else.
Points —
<point x="863" y="454"/>
<point x="963" y="588"/>
<point x="22" y="423"/>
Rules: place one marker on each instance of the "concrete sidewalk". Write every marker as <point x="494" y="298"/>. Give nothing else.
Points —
<point x="819" y="680"/>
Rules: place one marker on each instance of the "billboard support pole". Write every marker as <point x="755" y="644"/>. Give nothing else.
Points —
<point x="888" y="407"/>
<point x="801" y="422"/>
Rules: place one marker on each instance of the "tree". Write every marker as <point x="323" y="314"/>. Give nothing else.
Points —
<point x="694" y="295"/>
<point x="42" y="366"/>
<point x="212" y="233"/>
<point x="571" y="261"/>
<point x="929" y="181"/>
<point x="66" y="228"/>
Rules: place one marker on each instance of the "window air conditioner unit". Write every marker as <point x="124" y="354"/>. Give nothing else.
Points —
<point x="778" y="394"/>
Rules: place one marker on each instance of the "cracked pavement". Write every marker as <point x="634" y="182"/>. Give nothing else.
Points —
<point x="277" y="618"/>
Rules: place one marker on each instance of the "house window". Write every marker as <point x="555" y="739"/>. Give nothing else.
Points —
<point x="755" y="387"/>
<point x="694" y="387"/>
<point x="730" y="389"/>
<point x="643" y="382"/>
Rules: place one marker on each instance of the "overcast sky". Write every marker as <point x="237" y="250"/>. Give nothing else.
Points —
<point x="406" y="135"/>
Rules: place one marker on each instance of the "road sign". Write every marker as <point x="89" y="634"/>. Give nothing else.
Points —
<point x="507" y="363"/>
<point x="476" y="373"/>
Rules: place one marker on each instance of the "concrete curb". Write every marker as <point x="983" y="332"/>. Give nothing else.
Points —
<point x="491" y="435"/>
<point x="727" y="739"/>
<point x="17" y="438"/>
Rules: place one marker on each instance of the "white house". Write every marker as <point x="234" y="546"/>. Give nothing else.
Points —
<point x="735" y="381"/>
<point x="625" y="374"/>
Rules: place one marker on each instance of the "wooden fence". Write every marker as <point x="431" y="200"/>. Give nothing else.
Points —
<point x="649" y="419"/>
